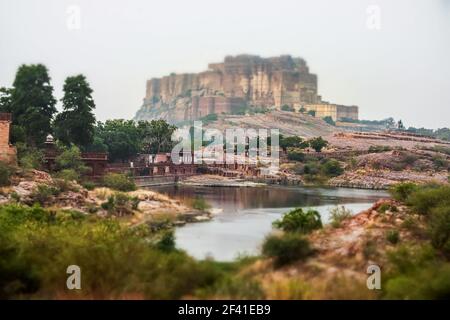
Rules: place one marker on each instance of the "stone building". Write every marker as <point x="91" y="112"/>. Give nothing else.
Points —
<point x="8" y="153"/>
<point x="336" y="112"/>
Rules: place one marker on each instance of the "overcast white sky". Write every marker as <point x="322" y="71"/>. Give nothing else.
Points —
<point x="401" y="70"/>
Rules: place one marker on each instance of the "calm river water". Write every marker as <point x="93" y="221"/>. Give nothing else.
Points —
<point x="243" y="216"/>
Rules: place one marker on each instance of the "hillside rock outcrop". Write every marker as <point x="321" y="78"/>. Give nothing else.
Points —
<point x="239" y="81"/>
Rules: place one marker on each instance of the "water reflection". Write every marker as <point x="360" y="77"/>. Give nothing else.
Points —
<point x="233" y="200"/>
<point x="246" y="214"/>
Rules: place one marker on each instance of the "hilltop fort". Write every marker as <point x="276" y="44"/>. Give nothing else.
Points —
<point x="243" y="81"/>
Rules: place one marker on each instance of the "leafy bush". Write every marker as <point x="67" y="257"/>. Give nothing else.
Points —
<point x="439" y="228"/>
<point x="339" y="214"/>
<point x="286" y="249"/>
<point x="416" y="273"/>
<point x="36" y="246"/>
<point x="287" y="108"/>
<point x="200" y="204"/>
<point x="65" y="185"/>
<point x="385" y="207"/>
<point x="120" y="204"/>
<point x="393" y="236"/>
<point x="311" y="168"/>
<point x="28" y="157"/>
<point x="426" y="198"/>
<point x="300" y="221"/>
<point x="118" y="181"/>
<point x="332" y="168"/>
<point x="5" y="174"/>
<point x="295" y="155"/>
<point x="329" y="120"/>
<point x="43" y="193"/>
<point x="402" y="191"/>
<point x="70" y="159"/>
<point x="318" y="143"/>
<point x="68" y="175"/>
<point x="167" y="241"/>
<point x="89" y="185"/>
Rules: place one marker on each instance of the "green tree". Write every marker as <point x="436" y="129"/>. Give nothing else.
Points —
<point x="5" y="99"/>
<point x="329" y="120"/>
<point x="156" y="136"/>
<point x="300" y="221"/>
<point x="292" y="142"/>
<point x="318" y="143"/>
<point x="287" y="108"/>
<point x="122" y="137"/>
<point x="76" y="123"/>
<point x="70" y="159"/>
<point x="32" y="102"/>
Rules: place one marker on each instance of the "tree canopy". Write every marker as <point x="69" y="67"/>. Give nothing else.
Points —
<point x="32" y="103"/>
<point x="75" y="124"/>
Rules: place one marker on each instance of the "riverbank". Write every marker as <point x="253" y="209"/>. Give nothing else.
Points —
<point x="208" y="180"/>
<point x="133" y="208"/>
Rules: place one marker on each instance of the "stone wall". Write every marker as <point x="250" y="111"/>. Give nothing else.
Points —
<point x="7" y="151"/>
<point x="336" y="112"/>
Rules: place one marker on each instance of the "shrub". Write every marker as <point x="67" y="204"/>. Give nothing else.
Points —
<point x="332" y="168"/>
<point x="43" y="193"/>
<point x="385" y="207"/>
<point x="318" y="144"/>
<point x="439" y="228"/>
<point x="110" y="204"/>
<point x="65" y="185"/>
<point x="5" y="174"/>
<point x="118" y="181"/>
<point x="416" y="273"/>
<point x="287" y="108"/>
<point x="117" y="262"/>
<point x="120" y="204"/>
<point x="286" y="249"/>
<point x="89" y="185"/>
<point x="312" y="113"/>
<point x="68" y="175"/>
<point x="369" y="249"/>
<point x="393" y="236"/>
<point x="311" y="168"/>
<point x="295" y="155"/>
<point x="298" y="220"/>
<point x="339" y="214"/>
<point x="329" y="120"/>
<point x="167" y="241"/>
<point x="200" y="204"/>
<point x="428" y="197"/>
<point x="28" y="157"/>
<point x="402" y="191"/>
<point x="70" y="158"/>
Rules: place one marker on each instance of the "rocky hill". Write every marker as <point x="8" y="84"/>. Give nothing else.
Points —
<point x="244" y="80"/>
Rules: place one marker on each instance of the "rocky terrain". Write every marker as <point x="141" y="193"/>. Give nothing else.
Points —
<point x="288" y="123"/>
<point x="134" y="208"/>
<point x="338" y="268"/>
